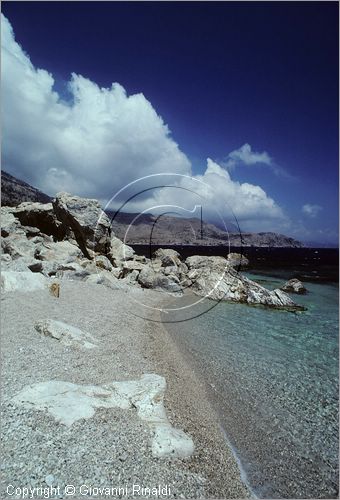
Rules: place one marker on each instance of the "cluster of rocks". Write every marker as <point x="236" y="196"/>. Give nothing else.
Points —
<point x="72" y="238"/>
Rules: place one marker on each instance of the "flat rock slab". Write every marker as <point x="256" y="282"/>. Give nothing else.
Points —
<point x="12" y="281"/>
<point x="66" y="334"/>
<point x="68" y="402"/>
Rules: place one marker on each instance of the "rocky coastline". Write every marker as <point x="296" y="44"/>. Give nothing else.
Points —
<point x="83" y="369"/>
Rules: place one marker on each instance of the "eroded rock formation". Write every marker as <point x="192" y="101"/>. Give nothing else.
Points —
<point x="72" y="239"/>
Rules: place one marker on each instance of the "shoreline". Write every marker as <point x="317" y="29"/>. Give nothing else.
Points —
<point x="112" y="447"/>
<point x="189" y="407"/>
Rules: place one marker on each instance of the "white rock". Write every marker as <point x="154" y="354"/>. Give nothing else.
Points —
<point x="120" y="251"/>
<point x="168" y="257"/>
<point x="294" y="286"/>
<point x="9" y="223"/>
<point x="149" y="278"/>
<point x="49" y="480"/>
<point x="103" y="262"/>
<point x="18" y="265"/>
<point x="66" y="334"/>
<point x="105" y="278"/>
<point x="68" y="402"/>
<point x="84" y="218"/>
<point x="22" y="281"/>
<point x="171" y="442"/>
<point x="237" y="260"/>
<point x="213" y="278"/>
<point x="60" y="251"/>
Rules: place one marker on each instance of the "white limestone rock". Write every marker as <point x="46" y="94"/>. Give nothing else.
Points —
<point x="237" y="260"/>
<point x="66" y="334"/>
<point x="171" y="442"/>
<point x="9" y="223"/>
<point x="103" y="262"/>
<point x="61" y="251"/>
<point x="149" y="278"/>
<point x="26" y="281"/>
<point x="294" y="286"/>
<point x="68" y="403"/>
<point x="119" y="251"/>
<point x="84" y="219"/>
<point x="212" y="278"/>
<point x="168" y="257"/>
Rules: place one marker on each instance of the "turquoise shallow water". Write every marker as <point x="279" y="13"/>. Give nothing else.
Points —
<point x="274" y="381"/>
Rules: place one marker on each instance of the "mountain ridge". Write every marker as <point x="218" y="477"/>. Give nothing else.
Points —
<point x="157" y="230"/>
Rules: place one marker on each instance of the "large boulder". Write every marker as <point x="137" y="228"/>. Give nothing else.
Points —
<point x="119" y="251"/>
<point x="12" y="281"/>
<point x="105" y="278"/>
<point x="21" y="264"/>
<point x="55" y="257"/>
<point x="212" y="278"/>
<point x="216" y="264"/>
<point x="149" y="278"/>
<point x="294" y="286"/>
<point x="41" y="216"/>
<point x="17" y="245"/>
<point x="61" y="251"/>
<point x="84" y="218"/>
<point x="168" y="257"/>
<point x="237" y="260"/>
<point x="9" y="223"/>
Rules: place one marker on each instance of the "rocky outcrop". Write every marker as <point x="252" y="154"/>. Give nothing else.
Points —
<point x="68" y="403"/>
<point x="212" y="278"/>
<point x="24" y="281"/>
<point x="59" y="256"/>
<point x="237" y="260"/>
<point x="119" y="251"/>
<point x="294" y="286"/>
<point x="66" y="334"/>
<point x="149" y="278"/>
<point x="88" y="252"/>
<point x="9" y="223"/>
<point x="86" y="221"/>
<point x="42" y="217"/>
<point x="168" y="257"/>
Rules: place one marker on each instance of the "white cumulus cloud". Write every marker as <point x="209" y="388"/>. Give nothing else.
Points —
<point x="311" y="210"/>
<point x="245" y="155"/>
<point x="218" y="195"/>
<point x="103" y="139"/>
<point x="100" y="141"/>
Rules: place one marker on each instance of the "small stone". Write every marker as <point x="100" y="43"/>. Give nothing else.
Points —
<point x="49" y="480"/>
<point x="123" y="457"/>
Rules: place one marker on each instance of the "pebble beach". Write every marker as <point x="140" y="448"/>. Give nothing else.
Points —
<point x="111" y="450"/>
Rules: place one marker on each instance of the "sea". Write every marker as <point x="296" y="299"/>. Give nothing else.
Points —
<point x="273" y="376"/>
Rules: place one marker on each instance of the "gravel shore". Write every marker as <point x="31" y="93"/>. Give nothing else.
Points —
<point x="112" y="448"/>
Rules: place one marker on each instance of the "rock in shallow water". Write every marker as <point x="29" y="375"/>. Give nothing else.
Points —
<point x="294" y="286"/>
<point x="212" y="278"/>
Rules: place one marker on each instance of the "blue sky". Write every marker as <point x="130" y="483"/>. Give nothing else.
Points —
<point x="252" y="86"/>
